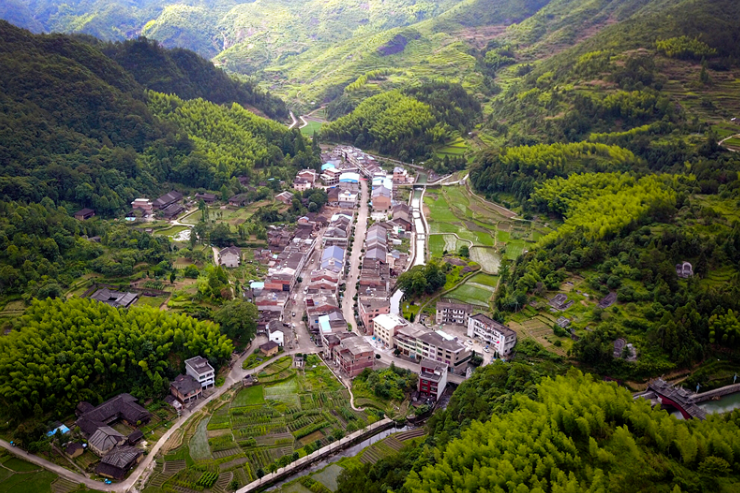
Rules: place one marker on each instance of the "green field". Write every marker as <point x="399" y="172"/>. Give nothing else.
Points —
<point x="473" y="294"/>
<point x="19" y="476"/>
<point x="174" y="230"/>
<point x="251" y="396"/>
<point x="453" y="209"/>
<point x="258" y="425"/>
<point x="311" y="128"/>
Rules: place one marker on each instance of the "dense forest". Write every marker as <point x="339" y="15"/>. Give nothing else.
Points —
<point x="185" y="74"/>
<point x="524" y="426"/>
<point x="409" y="123"/>
<point x="63" y="352"/>
<point x="99" y="138"/>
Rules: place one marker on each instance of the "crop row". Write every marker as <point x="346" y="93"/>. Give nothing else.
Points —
<point x="301" y="422"/>
<point x="307" y="430"/>
<point x="259" y="458"/>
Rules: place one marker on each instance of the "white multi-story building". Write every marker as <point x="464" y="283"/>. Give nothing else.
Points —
<point x="201" y="370"/>
<point x="494" y="333"/>
<point x="386" y="326"/>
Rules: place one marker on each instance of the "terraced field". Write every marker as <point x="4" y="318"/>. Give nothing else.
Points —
<point x="456" y="217"/>
<point x="263" y="424"/>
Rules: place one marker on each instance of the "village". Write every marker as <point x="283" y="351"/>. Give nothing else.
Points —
<point x="329" y="289"/>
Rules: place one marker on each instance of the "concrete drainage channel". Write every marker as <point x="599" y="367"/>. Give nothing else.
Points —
<point x="307" y="461"/>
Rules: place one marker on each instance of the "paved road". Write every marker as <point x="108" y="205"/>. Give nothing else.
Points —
<point x="354" y="269"/>
<point x="298" y="306"/>
<point x="235" y="375"/>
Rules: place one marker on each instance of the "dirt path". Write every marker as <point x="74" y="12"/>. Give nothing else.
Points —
<point x="721" y="142"/>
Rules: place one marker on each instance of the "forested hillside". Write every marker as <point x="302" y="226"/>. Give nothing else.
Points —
<point x="77" y="127"/>
<point x="67" y="351"/>
<point x="531" y="426"/>
<point x="187" y="75"/>
<point x="408" y="123"/>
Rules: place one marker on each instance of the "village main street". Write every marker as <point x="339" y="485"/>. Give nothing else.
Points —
<point x="354" y="263"/>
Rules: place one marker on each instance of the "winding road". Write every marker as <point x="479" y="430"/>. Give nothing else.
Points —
<point x="235" y="375"/>
<point x="721" y="142"/>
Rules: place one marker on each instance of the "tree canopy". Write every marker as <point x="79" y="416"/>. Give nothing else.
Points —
<point x="62" y="352"/>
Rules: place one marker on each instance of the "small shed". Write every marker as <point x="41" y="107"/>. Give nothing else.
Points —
<point x="269" y="348"/>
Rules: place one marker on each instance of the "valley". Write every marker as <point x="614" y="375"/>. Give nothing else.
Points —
<point x="400" y="245"/>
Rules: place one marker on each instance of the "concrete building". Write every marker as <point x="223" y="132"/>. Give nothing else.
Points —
<point x="369" y="308"/>
<point x="278" y="337"/>
<point x="301" y="185"/>
<point x="309" y="175"/>
<point x="400" y="175"/>
<point x="381" y="198"/>
<point x="450" y="312"/>
<point x="349" y="178"/>
<point x="407" y="340"/>
<point x="330" y="176"/>
<point x="353" y="354"/>
<point x="185" y="388"/>
<point x="333" y="259"/>
<point x="442" y="347"/>
<point x="432" y="378"/>
<point x="347" y="199"/>
<point x="494" y="333"/>
<point x="385" y="327"/>
<point x="230" y="257"/>
<point x="201" y="370"/>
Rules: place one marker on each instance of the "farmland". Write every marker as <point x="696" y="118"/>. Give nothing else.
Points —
<point x="290" y="413"/>
<point x="19" y="476"/>
<point x="457" y="217"/>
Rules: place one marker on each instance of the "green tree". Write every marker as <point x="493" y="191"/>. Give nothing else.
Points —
<point x="238" y="320"/>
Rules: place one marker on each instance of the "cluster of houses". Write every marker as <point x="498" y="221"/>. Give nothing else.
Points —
<point x="382" y="262"/>
<point x="118" y="452"/>
<point x="168" y="204"/>
<point x="272" y="295"/>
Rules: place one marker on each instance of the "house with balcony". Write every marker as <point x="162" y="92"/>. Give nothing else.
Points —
<point x="201" y="370"/>
<point x="450" y="312"/>
<point x="496" y="334"/>
<point x="432" y="378"/>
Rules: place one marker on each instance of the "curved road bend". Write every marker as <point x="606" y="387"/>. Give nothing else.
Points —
<point x="235" y="375"/>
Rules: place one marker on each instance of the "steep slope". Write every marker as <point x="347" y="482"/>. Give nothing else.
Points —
<point x="76" y="127"/>
<point x="442" y="48"/>
<point x="662" y="85"/>
<point x="182" y="72"/>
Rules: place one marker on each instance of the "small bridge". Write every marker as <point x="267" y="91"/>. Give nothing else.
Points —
<point x="681" y="399"/>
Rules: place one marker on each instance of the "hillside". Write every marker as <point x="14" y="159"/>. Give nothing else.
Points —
<point x="94" y="134"/>
<point x="659" y="90"/>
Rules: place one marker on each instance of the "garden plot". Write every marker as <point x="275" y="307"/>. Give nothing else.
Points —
<point x="199" y="443"/>
<point x="328" y="477"/>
